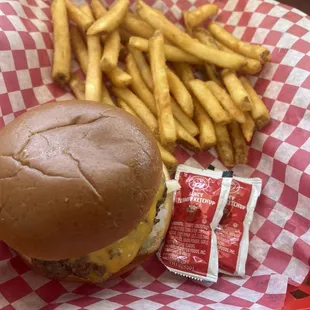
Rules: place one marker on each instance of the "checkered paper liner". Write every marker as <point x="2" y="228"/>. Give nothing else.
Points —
<point x="280" y="238"/>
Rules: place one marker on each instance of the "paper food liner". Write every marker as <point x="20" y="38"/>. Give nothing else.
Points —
<point x="279" y="239"/>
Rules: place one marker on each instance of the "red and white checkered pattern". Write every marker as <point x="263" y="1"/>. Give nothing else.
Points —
<point x="280" y="237"/>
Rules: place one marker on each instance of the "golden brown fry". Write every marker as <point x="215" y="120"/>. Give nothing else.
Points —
<point x="111" y="20"/>
<point x="137" y="26"/>
<point x="123" y="105"/>
<point x="238" y="142"/>
<point x="252" y="51"/>
<point x="248" y="127"/>
<point x="253" y="66"/>
<point x="209" y="102"/>
<point x="138" y="85"/>
<point x="62" y="49"/>
<point x="184" y="41"/>
<point x="119" y="77"/>
<point x="105" y="96"/>
<point x="97" y="8"/>
<point x="236" y="90"/>
<point x="139" y="107"/>
<point x="213" y="74"/>
<point x="259" y="112"/>
<point x="207" y="137"/>
<point x="194" y="18"/>
<point x="222" y="96"/>
<point x="224" y="146"/>
<point x="79" y="48"/>
<point x="168" y="159"/>
<point x="111" y="51"/>
<point x="93" y="85"/>
<point x="172" y="53"/>
<point x="143" y="66"/>
<point x="180" y="93"/>
<point x="184" y="72"/>
<point x="183" y="119"/>
<point x="85" y="8"/>
<point x="185" y="138"/>
<point x="77" y="86"/>
<point x="167" y="129"/>
<point x="79" y="17"/>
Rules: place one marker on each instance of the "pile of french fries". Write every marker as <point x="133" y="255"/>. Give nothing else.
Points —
<point x="188" y="87"/>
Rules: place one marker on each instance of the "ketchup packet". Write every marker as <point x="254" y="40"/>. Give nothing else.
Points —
<point x="190" y="247"/>
<point x="233" y="231"/>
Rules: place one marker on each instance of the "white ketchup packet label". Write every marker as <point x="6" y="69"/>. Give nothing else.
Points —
<point x="190" y="247"/>
<point x="233" y="230"/>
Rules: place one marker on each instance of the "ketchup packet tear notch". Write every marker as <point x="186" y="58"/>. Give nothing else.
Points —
<point x="233" y="230"/>
<point x="190" y="247"/>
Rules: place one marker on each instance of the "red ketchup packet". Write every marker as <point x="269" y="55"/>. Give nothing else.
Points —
<point x="190" y="247"/>
<point x="233" y="231"/>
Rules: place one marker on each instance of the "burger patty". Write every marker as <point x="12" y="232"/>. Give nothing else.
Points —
<point x="80" y="267"/>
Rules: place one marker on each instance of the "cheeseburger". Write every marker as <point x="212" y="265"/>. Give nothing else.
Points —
<point x="82" y="190"/>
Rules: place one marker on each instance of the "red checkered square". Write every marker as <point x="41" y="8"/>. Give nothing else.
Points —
<point x="258" y="284"/>
<point x="302" y="251"/>
<point x="282" y="73"/>
<point x="19" y="266"/>
<point x="269" y="232"/>
<point x="11" y="81"/>
<point x="5" y="104"/>
<point x="304" y="63"/>
<point x="233" y="300"/>
<point x="51" y="291"/>
<point x="15" y="289"/>
<point x="294" y="115"/>
<point x="293" y="17"/>
<point x="280" y="263"/>
<point x="124" y="299"/>
<point x="162" y="299"/>
<point x="275" y="299"/>
<point x="158" y="287"/>
<point x="287" y="93"/>
<point x="84" y="301"/>
<point x="297" y="30"/>
<point x="264" y="8"/>
<point x="300" y="160"/>
<point x="20" y="60"/>
<point x="30" y="98"/>
<point x="264" y="205"/>
<point x="87" y="289"/>
<point x="304" y="185"/>
<point x="199" y="300"/>
<point x="272" y="38"/>
<point x="289" y="197"/>
<point x="5" y="252"/>
<point x="278" y="170"/>
<point x="298" y="137"/>
<point x="123" y="287"/>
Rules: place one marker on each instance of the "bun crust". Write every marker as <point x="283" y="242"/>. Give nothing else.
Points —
<point x="148" y="249"/>
<point x="75" y="177"/>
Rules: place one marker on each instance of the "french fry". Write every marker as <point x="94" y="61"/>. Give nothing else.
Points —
<point x="167" y="130"/>
<point x="184" y="137"/>
<point x="79" y="17"/>
<point x="97" y="8"/>
<point x="111" y="20"/>
<point x="213" y="74"/>
<point x="125" y="35"/>
<point x="77" y="86"/>
<point x="79" y="48"/>
<point x="253" y="66"/>
<point x="139" y="108"/>
<point x="194" y="18"/>
<point x="249" y="50"/>
<point x="183" y="119"/>
<point x="248" y="127"/>
<point x="209" y="102"/>
<point x="111" y="51"/>
<point x="123" y="105"/>
<point x="180" y="93"/>
<point x="222" y="96"/>
<point x="168" y="159"/>
<point x="172" y="53"/>
<point x="259" y="112"/>
<point x="138" y="85"/>
<point x="119" y="77"/>
<point x="85" y="8"/>
<point x="185" y="42"/>
<point x="224" y="146"/>
<point x="184" y="72"/>
<point x="93" y="85"/>
<point x="143" y="66"/>
<point x="62" y="48"/>
<point x="237" y="92"/>
<point x="207" y="137"/>
<point x="137" y="26"/>
<point x="105" y="96"/>
<point x="238" y="142"/>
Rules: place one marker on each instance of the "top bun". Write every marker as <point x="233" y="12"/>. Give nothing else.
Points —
<point x="75" y="177"/>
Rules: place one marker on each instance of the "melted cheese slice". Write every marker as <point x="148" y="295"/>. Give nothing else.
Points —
<point x="121" y="253"/>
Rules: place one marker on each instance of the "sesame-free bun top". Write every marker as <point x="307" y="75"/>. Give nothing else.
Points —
<point x="75" y="177"/>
